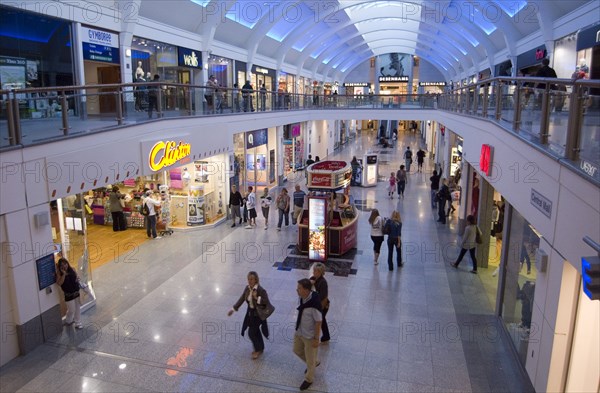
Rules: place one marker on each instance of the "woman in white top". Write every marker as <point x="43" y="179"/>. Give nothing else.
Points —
<point x="469" y="242"/>
<point x="376" y="222"/>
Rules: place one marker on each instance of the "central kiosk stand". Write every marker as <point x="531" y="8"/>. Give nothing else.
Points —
<point x="329" y="225"/>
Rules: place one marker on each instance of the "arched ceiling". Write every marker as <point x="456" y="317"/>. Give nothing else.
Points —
<point x="333" y="37"/>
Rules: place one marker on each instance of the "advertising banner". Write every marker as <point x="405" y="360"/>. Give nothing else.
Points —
<point x="317" y="240"/>
<point x="195" y="211"/>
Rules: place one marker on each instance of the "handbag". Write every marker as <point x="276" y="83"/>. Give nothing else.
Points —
<point x="265" y="311"/>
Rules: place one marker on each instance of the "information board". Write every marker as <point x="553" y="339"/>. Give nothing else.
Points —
<point x="46" y="271"/>
<point x="317" y="240"/>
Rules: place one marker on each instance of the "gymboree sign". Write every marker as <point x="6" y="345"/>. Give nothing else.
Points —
<point x="166" y="153"/>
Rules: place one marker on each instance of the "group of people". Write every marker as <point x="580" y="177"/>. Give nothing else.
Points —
<point x="243" y="207"/>
<point x="393" y="228"/>
<point x="311" y="325"/>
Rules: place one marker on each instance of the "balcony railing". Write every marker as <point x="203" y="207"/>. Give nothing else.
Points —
<point x="559" y="116"/>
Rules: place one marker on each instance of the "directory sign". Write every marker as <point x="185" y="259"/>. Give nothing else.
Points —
<point x="46" y="271"/>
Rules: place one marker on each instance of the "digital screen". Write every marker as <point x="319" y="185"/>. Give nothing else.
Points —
<point x="371" y="160"/>
<point x="317" y="214"/>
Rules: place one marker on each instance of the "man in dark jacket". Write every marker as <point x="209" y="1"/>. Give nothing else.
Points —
<point x="235" y="203"/>
<point x="247" y="91"/>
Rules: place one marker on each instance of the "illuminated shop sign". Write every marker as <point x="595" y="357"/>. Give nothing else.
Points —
<point x="189" y="58"/>
<point x="485" y="159"/>
<point x="99" y="45"/>
<point x="357" y="84"/>
<point x="164" y="154"/>
<point x="260" y="70"/>
<point x="432" y="84"/>
<point x="331" y="175"/>
<point x="256" y="138"/>
<point x="393" y="79"/>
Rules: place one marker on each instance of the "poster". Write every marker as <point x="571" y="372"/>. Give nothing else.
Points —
<point x="271" y="166"/>
<point x="317" y="242"/>
<point x="394" y="65"/>
<point x="195" y="211"/>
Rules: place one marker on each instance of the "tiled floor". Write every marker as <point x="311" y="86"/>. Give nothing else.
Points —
<point x="161" y="325"/>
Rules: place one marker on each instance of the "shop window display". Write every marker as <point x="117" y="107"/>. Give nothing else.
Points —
<point x="519" y="283"/>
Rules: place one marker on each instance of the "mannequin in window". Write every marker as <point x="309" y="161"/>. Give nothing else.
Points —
<point x="139" y="71"/>
<point x="583" y="67"/>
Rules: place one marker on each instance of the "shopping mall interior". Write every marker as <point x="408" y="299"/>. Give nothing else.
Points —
<point x="444" y="113"/>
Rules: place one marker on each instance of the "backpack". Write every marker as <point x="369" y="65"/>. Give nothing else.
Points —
<point x="144" y="209"/>
<point x="386" y="226"/>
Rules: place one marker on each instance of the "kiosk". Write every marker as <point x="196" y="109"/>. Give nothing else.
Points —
<point x="329" y="225"/>
<point x="370" y="169"/>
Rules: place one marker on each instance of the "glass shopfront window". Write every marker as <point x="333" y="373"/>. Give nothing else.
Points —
<point x="222" y="69"/>
<point x="35" y="50"/>
<point x="519" y="282"/>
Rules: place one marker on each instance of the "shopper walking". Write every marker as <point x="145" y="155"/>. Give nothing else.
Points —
<point x="376" y="222"/>
<point x="320" y="284"/>
<point x="394" y="240"/>
<point x="66" y="278"/>
<point x="255" y="296"/>
<point x="408" y="158"/>
<point x="235" y="204"/>
<point x="247" y="92"/>
<point x="283" y="207"/>
<point x="391" y="185"/>
<point x="265" y="205"/>
<point x="153" y="98"/>
<point x="251" y="206"/>
<point x="298" y="204"/>
<point x="308" y="330"/>
<point x="443" y="196"/>
<point x="401" y="178"/>
<point x="115" y="198"/>
<point x="263" y="98"/>
<point x="420" y="160"/>
<point x="435" y="187"/>
<point x="151" y="204"/>
<point x="470" y="238"/>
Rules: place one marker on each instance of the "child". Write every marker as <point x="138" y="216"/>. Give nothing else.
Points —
<point x="392" y="187"/>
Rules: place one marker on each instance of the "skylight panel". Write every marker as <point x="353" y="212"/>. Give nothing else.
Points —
<point x="473" y="15"/>
<point x="323" y="46"/>
<point x="511" y="7"/>
<point x="292" y="18"/>
<point x="307" y="39"/>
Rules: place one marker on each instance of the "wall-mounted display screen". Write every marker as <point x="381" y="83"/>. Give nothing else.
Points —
<point x="259" y="162"/>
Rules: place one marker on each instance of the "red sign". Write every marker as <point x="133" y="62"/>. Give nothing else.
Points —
<point x="485" y="159"/>
<point x="329" y="166"/>
<point x="320" y="180"/>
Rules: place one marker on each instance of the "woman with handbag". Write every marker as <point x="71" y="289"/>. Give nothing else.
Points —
<point x="116" y="204"/>
<point x="376" y="222"/>
<point x="259" y="308"/>
<point x="470" y="238"/>
<point x="66" y="278"/>
<point x="283" y="207"/>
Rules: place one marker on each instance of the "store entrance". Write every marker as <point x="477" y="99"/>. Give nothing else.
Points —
<point x="108" y="75"/>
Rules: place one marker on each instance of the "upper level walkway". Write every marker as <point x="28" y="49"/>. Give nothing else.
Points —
<point x="560" y="118"/>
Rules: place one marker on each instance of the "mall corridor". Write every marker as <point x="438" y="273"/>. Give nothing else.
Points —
<point x="160" y="323"/>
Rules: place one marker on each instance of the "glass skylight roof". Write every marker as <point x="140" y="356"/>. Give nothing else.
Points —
<point x="293" y="16"/>
<point x="511" y="7"/>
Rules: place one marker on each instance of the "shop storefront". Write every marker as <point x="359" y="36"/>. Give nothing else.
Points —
<point x="356" y="89"/>
<point x="101" y="65"/>
<point x="529" y="63"/>
<point x="43" y="58"/>
<point x="588" y="53"/>
<point x="397" y="86"/>
<point x="222" y="69"/>
<point x="293" y="148"/>
<point x="503" y="69"/>
<point x="254" y="160"/>
<point x="432" y="87"/>
<point x="171" y="63"/>
<point x="287" y="83"/>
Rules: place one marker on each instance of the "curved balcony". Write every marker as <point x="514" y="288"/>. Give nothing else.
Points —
<point x="558" y="116"/>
